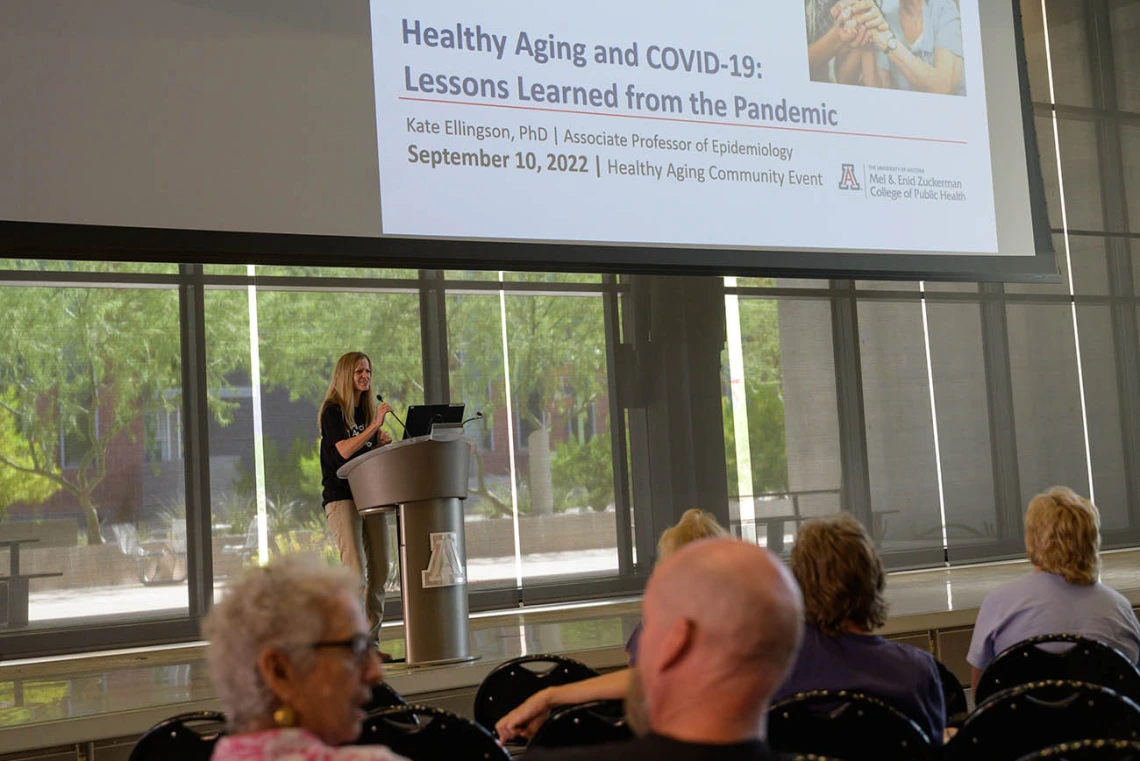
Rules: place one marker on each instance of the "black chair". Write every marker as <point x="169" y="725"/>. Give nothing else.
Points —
<point x="1088" y="750"/>
<point x="423" y="733"/>
<point x="383" y="696"/>
<point x="186" y="737"/>
<point x="954" y="696"/>
<point x="594" y="723"/>
<point x="511" y="683"/>
<point x="848" y="725"/>
<point x="1033" y="716"/>
<point x="1086" y="661"/>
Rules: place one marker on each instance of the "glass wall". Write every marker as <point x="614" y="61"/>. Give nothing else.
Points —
<point x="542" y="492"/>
<point x="969" y="399"/>
<point x="92" y="514"/>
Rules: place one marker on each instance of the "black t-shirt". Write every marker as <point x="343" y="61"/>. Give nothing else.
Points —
<point x="332" y="431"/>
<point x="654" y="747"/>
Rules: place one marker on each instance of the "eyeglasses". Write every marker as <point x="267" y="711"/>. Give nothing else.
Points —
<point x="359" y="644"/>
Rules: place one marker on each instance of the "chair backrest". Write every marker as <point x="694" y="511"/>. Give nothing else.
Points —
<point x="186" y="737"/>
<point x="384" y="696"/>
<point x="423" y="733"/>
<point x="848" y="725"/>
<point x="594" y="723"/>
<point x="1086" y="660"/>
<point x="953" y="695"/>
<point x="1032" y="716"/>
<point x="1088" y="750"/>
<point x="510" y="683"/>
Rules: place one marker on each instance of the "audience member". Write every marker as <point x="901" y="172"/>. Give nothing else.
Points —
<point x="1062" y="595"/>
<point x="293" y="661"/>
<point x="525" y="720"/>
<point x="842" y="580"/>
<point x="694" y="524"/>
<point x="722" y="624"/>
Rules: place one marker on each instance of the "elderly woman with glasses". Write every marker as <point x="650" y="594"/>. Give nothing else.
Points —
<point x="293" y="662"/>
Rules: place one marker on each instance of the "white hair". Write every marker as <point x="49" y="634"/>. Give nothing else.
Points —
<point x="285" y="603"/>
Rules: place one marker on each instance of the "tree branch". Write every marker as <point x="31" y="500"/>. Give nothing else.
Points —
<point x="32" y="471"/>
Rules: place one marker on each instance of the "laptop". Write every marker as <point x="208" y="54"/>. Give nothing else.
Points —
<point x="421" y="417"/>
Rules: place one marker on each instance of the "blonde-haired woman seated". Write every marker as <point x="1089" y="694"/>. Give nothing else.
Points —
<point x="1062" y="595"/>
<point x="842" y="581"/>
<point x="694" y="524"/>
<point x="293" y="663"/>
<point x="525" y="720"/>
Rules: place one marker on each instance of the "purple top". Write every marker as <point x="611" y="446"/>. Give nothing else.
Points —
<point x="1044" y="603"/>
<point x="631" y="646"/>
<point x="903" y="676"/>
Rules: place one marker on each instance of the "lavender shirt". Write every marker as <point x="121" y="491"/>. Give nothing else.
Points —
<point x="1044" y="603"/>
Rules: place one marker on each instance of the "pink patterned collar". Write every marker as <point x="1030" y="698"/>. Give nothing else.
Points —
<point x="294" y="745"/>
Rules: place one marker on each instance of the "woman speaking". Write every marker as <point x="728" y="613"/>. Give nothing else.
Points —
<point x="350" y="422"/>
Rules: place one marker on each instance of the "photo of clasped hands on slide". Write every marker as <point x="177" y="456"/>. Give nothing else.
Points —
<point x="897" y="44"/>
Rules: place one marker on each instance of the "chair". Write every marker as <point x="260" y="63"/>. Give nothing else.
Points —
<point x="1086" y="661"/>
<point x="511" y="683"/>
<point x="1032" y="716"/>
<point x="1088" y="750"/>
<point x="848" y="725"/>
<point x="186" y="737"/>
<point x="422" y="733"/>
<point x="594" y="723"/>
<point x="383" y="696"/>
<point x="953" y="695"/>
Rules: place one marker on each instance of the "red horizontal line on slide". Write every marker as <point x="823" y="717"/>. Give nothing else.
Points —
<point x="682" y="121"/>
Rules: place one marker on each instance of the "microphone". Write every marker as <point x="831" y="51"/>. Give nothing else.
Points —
<point x="476" y="416"/>
<point x="380" y="398"/>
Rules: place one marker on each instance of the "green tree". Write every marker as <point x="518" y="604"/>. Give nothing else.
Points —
<point x="556" y="346"/>
<point x="764" y="398"/>
<point x="81" y="366"/>
<point x="303" y="333"/>
<point x="19" y="484"/>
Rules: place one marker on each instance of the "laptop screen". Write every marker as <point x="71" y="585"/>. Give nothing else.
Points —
<point x="421" y="417"/>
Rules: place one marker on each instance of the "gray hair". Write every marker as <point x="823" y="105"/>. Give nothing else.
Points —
<point x="285" y="603"/>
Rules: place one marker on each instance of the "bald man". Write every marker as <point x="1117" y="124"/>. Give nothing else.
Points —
<point x="722" y="622"/>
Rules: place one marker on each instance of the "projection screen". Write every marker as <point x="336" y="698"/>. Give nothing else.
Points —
<point x="864" y="138"/>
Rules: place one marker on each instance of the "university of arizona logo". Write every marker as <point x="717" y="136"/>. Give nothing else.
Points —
<point x="444" y="568"/>
<point x="848" y="181"/>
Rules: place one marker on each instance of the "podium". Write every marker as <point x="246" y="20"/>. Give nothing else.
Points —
<point x="425" y="480"/>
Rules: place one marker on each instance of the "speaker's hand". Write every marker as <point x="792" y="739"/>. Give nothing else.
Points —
<point x="382" y="411"/>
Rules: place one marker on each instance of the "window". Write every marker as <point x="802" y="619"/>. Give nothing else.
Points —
<point x="84" y="370"/>
<point x="551" y="479"/>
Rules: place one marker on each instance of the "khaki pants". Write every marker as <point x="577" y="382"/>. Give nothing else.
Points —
<point x="363" y="547"/>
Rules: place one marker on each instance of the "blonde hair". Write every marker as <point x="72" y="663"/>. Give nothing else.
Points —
<point x="840" y="575"/>
<point x="1062" y="535"/>
<point x="285" y="603"/>
<point x="339" y="393"/>
<point x="694" y="524"/>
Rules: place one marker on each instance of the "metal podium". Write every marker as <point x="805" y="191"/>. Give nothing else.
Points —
<point x="425" y="480"/>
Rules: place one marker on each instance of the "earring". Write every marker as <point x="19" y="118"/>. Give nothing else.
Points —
<point x="284" y="717"/>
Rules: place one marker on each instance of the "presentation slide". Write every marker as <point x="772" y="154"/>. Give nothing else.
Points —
<point x="815" y="138"/>
<point x="857" y="125"/>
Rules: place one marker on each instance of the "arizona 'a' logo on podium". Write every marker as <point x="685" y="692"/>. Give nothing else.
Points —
<point x="848" y="180"/>
<point x="444" y="567"/>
